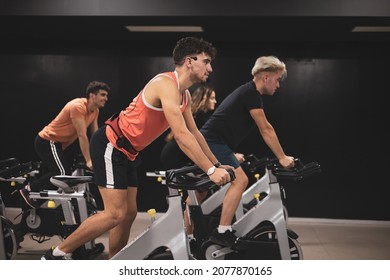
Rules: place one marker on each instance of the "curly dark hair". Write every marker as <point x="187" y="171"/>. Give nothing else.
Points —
<point x="192" y="46"/>
<point x="95" y="86"/>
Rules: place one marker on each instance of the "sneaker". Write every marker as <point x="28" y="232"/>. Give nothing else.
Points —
<point x="49" y="256"/>
<point x="227" y="239"/>
<point x="26" y="196"/>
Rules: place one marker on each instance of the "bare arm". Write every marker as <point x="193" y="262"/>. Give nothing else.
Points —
<point x="93" y="127"/>
<point x="191" y="125"/>
<point x="184" y="138"/>
<point x="170" y="99"/>
<point x="81" y="129"/>
<point x="270" y="138"/>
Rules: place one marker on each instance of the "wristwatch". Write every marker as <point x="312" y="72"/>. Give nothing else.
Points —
<point x="211" y="170"/>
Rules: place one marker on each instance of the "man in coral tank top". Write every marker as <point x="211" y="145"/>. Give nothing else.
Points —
<point x="163" y="102"/>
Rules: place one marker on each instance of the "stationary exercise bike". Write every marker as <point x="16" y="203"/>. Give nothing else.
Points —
<point x="60" y="211"/>
<point x="211" y="206"/>
<point x="262" y="228"/>
<point x="10" y="235"/>
<point x="166" y="237"/>
<point x="254" y="166"/>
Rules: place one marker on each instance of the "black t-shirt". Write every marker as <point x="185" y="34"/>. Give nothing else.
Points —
<point x="171" y="155"/>
<point x="201" y="118"/>
<point x="231" y="122"/>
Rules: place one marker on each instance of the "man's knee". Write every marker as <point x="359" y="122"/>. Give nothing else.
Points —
<point x="131" y="214"/>
<point x="117" y="217"/>
<point x="241" y="179"/>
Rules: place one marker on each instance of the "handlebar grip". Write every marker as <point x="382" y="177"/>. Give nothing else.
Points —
<point x="250" y="158"/>
<point x="231" y="174"/>
<point x="8" y="163"/>
<point x="183" y="170"/>
<point x="190" y="178"/>
<point x="274" y="162"/>
<point x="298" y="172"/>
<point x="253" y="163"/>
<point x="18" y="169"/>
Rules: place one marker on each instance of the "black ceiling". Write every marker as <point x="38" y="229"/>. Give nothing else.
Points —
<point x="53" y="28"/>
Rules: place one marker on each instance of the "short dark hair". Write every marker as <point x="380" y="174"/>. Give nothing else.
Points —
<point x="190" y="46"/>
<point x="95" y="86"/>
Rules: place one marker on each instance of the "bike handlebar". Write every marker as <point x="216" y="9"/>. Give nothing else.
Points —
<point x="297" y="173"/>
<point x="190" y="178"/>
<point x="11" y="167"/>
<point x="253" y="163"/>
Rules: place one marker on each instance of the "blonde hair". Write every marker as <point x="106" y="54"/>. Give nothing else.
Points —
<point x="269" y="64"/>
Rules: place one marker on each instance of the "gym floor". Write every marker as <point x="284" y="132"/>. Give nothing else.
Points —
<point x="320" y="239"/>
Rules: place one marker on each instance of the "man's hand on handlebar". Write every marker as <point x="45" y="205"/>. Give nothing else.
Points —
<point x="287" y="162"/>
<point x="227" y="167"/>
<point x="89" y="165"/>
<point x="220" y="175"/>
<point x="240" y="157"/>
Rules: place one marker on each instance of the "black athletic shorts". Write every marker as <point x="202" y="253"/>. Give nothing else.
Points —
<point x="223" y="153"/>
<point x="111" y="168"/>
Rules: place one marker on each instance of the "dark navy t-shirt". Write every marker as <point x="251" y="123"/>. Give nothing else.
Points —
<point x="231" y="122"/>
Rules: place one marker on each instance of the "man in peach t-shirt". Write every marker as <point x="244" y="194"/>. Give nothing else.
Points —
<point x="69" y="125"/>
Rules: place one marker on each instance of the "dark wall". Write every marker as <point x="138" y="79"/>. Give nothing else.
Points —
<point x="330" y="109"/>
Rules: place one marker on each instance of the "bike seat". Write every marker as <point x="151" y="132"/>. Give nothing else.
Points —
<point x="68" y="183"/>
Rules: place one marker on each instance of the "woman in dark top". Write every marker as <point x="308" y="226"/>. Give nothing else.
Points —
<point x="203" y="104"/>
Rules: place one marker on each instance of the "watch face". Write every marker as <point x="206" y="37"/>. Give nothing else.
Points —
<point x="211" y="170"/>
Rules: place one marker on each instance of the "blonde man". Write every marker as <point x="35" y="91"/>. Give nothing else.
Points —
<point x="240" y="112"/>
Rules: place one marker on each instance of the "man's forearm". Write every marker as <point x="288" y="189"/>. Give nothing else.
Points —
<point x="205" y="148"/>
<point x="84" y="147"/>
<point x="190" y="146"/>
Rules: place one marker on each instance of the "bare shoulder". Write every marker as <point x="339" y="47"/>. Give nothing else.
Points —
<point x="160" y="88"/>
<point x="161" y="83"/>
